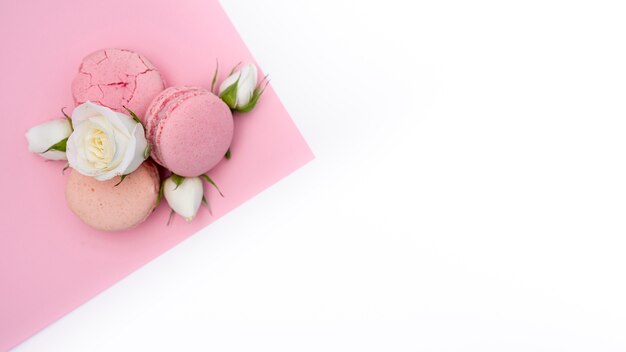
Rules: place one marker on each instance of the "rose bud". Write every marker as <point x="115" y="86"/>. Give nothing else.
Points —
<point x="184" y="195"/>
<point x="105" y="143"/>
<point x="240" y="90"/>
<point x="49" y="138"/>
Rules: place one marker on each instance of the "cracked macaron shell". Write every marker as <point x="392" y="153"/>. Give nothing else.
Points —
<point x="116" y="78"/>
<point x="106" y="207"/>
<point x="189" y="130"/>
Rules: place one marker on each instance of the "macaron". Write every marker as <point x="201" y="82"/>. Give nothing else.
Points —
<point x="116" y="78"/>
<point x="106" y="207"/>
<point x="189" y="130"/>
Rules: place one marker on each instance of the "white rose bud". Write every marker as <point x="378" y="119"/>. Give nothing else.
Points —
<point x="240" y="90"/>
<point x="49" y="138"/>
<point x="184" y="195"/>
<point x="105" y="143"/>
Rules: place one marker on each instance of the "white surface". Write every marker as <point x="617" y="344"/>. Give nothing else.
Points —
<point x="468" y="194"/>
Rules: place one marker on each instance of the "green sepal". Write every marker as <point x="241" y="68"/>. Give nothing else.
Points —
<point x="229" y="95"/>
<point x="60" y="146"/>
<point x="122" y="177"/>
<point x="146" y="152"/>
<point x="214" y="76"/>
<point x="160" y="196"/>
<point x="256" y="94"/>
<point x="171" y="217"/>
<point x="67" y="166"/>
<point x="178" y="180"/>
<point x="227" y="156"/>
<point x="69" y="119"/>
<point x="206" y="203"/>
<point x="133" y="115"/>
<point x="251" y="104"/>
<point x="208" y="179"/>
<point x="235" y="68"/>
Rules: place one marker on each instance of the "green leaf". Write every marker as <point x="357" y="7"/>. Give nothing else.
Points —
<point x="178" y="180"/>
<point x="229" y="95"/>
<point x="60" y="146"/>
<point x="214" y="75"/>
<point x="227" y="156"/>
<point x="146" y="152"/>
<point x="121" y="179"/>
<point x="133" y="115"/>
<point x="208" y="179"/>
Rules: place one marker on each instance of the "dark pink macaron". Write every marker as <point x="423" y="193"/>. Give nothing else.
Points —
<point x="189" y="130"/>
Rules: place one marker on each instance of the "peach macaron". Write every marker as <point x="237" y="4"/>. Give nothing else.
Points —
<point x="107" y="207"/>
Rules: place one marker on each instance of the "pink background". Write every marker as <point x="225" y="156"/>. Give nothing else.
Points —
<point x="49" y="261"/>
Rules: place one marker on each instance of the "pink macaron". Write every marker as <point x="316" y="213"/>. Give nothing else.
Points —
<point x="107" y="207"/>
<point x="116" y="78"/>
<point x="189" y="130"/>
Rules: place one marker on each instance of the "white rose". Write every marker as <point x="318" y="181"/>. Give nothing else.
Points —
<point x="48" y="135"/>
<point x="105" y="143"/>
<point x="240" y="90"/>
<point x="184" y="195"/>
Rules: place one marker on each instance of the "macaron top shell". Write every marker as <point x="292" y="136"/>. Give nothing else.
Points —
<point x="190" y="129"/>
<point x="106" y="207"/>
<point x="116" y="78"/>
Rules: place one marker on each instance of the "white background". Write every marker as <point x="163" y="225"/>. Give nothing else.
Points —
<point x="468" y="194"/>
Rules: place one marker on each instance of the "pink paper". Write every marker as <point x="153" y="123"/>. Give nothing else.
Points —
<point x="50" y="262"/>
